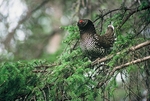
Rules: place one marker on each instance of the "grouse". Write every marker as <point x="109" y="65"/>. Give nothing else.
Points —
<point x="92" y="44"/>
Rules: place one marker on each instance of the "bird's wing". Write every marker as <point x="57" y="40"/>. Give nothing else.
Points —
<point x="106" y="40"/>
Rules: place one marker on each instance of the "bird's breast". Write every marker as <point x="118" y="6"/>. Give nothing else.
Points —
<point x="89" y="46"/>
<point x="86" y="42"/>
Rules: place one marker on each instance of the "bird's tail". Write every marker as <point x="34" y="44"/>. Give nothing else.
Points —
<point x="111" y="26"/>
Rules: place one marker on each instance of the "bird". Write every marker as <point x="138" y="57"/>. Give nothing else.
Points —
<point x="92" y="44"/>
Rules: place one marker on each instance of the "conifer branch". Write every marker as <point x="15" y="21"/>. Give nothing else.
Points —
<point x="131" y="12"/>
<point x="133" y="48"/>
<point x="110" y="74"/>
<point x="129" y="63"/>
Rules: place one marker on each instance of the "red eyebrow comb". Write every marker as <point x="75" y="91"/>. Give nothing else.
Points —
<point x="80" y="21"/>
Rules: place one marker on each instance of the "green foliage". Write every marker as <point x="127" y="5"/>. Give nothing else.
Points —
<point x="67" y="80"/>
<point x="72" y="77"/>
<point x="16" y="80"/>
<point x="69" y="77"/>
<point x="72" y="35"/>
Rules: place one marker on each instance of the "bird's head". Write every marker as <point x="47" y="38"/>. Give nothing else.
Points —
<point x="86" y="25"/>
<point x="82" y="23"/>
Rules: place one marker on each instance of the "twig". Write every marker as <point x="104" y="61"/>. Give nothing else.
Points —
<point x="46" y="66"/>
<point x="121" y="67"/>
<point x="74" y="46"/>
<point x="141" y="30"/>
<point x="140" y="45"/>
<point x="132" y="11"/>
<point x="39" y="71"/>
<point x="133" y="48"/>
<point x="132" y="4"/>
<point x="101" y="16"/>
<point x="129" y="63"/>
<point x="44" y="94"/>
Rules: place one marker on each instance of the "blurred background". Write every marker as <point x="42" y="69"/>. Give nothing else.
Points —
<point x="31" y="29"/>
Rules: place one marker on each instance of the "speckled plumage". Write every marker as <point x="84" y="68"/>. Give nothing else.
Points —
<point x="92" y="44"/>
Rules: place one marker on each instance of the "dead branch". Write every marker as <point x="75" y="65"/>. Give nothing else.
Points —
<point x="101" y="16"/>
<point x="131" y="12"/>
<point x="110" y="74"/>
<point x="129" y="63"/>
<point x="133" y="48"/>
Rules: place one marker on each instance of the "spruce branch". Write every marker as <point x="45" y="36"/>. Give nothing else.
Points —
<point x="110" y="74"/>
<point x="131" y="11"/>
<point x="129" y="63"/>
<point x="133" y="48"/>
